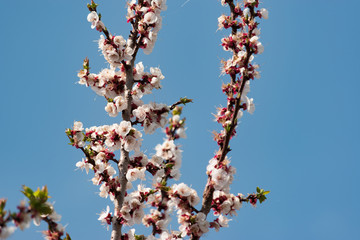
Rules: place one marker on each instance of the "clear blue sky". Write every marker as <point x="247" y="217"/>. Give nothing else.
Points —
<point x="302" y="142"/>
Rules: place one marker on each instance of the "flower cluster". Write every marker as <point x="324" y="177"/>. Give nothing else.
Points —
<point x="132" y="210"/>
<point x="159" y="216"/>
<point x="148" y="11"/>
<point x="101" y="143"/>
<point x="195" y="225"/>
<point x="221" y="174"/>
<point x="146" y="82"/>
<point x="137" y="167"/>
<point x="225" y="203"/>
<point x="151" y="116"/>
<point x="114" y="48"/>
<point x="110" y="84"/>
<point x="185" y="199"/>
<point x="170" y="154"/>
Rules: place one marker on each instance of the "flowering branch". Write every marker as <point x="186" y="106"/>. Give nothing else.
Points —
<point x="243" y="43"/>
<point x="37" y="209"/>
<point x="123" y="54"/>
<point x="123" y="86"/>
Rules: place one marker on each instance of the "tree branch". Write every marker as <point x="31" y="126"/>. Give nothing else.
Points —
<point x="224" y="148"/>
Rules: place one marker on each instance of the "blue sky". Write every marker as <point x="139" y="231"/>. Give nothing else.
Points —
<point x="301" y="143"/>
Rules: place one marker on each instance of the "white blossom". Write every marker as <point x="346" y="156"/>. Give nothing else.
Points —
<point x="111" y="109"/>
<point x="220" y="178"/>
<point x="104" y="189"/>
<point x="246" y="13"/>
<point x="124" y="128"/>
<point x="83" y="165"/>
<point x="130" y="143"/>
<point x="161" y="4"/>
<point x="131" y="234"/>
<point x="25" y="223"/>
<point x="260" y="48"/>
<point x="120" y="103"/>
<point x="250" y="105"/>
<point x="140" y="112"/>
<point x="167" y="150"/>
<point x="55" y="216"/>
<point x="223" y="221"/>
<point x="104" y="215"/>
<point x="181" y="132"/>
<point x="139" y="67"/>
<point x="78" y="126"/>
<point x="135" y="173"/>
<point x="6" y="232"/>
<point x="37" y="220"/>
<point x="150" y="18"/>
<point x="119" y="41"/>
<point x="264" y="13"/>
<point x="93" y="17"/>
<point x="182" y="189"/>
<point x="256" y="31"/>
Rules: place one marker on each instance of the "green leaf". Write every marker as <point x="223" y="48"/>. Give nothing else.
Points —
<point x="131" y="132"/>
<point x="2" y="206"/>
<point x="262" y="198"/>
<point x="228" y="127"/>
<point x="44" y="209"/>
<point x="266" y="192"/>
<point x="68" y="131"/>
<point x="177" y="110"/>
<point x="92" y="6"/>
<point x="163" y="182"/>
<point x="37" y="199"/>
<point x="165" y="188"/>
<point x="67" y="237"/>
<point x="139" y="237"/>
<point x="42" y="194"/>
<point x="169" y="165"/>
<point x="28" y="192"/>
<point x="151" y="192"/>
<point x="185" y="100"/>
<point x="258" y="189"/>
<point x="193" y="219"/>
